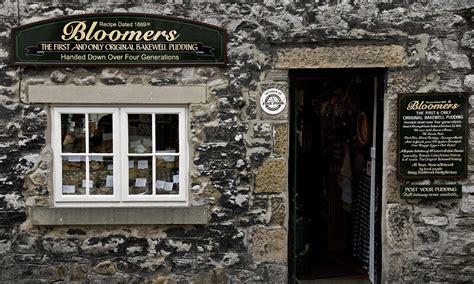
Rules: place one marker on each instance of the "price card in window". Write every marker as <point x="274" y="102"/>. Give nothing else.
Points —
<point x="74" y="159"/>
<point x="109" y="182"/>
<point x="167" y="158"/>
<point x="131" y="164"/>
<point x="168" y="186"/>
<point x="69" y="189"/>
<point x="175" y="178"/>
<point x="160" y="184"/>
<point x="84" y="183"/>
<point x="143" y="164"/>
<point x="140" y="182"/>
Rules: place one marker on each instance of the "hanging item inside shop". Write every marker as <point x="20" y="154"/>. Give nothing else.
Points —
<point x="119" y="39"/>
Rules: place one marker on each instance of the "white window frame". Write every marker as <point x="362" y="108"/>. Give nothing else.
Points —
<point x="124" y="153"/>
<point x="121" y="196"/>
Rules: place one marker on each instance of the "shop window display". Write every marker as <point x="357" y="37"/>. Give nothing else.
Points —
<point x="120" y="154"/>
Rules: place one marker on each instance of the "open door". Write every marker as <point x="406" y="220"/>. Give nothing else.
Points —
<point x="335" y="174"/>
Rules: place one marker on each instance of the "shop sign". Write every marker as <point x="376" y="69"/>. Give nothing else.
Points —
<point x="273" y="101"/>
<point x="431" y="191"/>
<point x="119" y="39"/>
<point x="432" y="135"/>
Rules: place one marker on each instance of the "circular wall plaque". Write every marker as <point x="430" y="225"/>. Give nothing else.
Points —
<point x="273" y="101"/>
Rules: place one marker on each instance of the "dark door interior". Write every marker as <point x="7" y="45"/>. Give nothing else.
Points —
<point x="332" y="135"/>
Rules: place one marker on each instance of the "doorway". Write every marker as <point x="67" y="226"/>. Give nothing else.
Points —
<point x="335" y="175"/>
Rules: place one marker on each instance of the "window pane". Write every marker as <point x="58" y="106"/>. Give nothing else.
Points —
<point x="74" y="175"/>
<point x="72" y="133"/>
<point x="101" y="173"/>
<point x="139" y="133"/>
<point x="100" y="133"/>
<point x="140" y="175"/>
<point x="167" y="175"/>
<point x="167" y="130"/>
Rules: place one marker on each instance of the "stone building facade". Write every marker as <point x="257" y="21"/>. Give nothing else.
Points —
<point x="239" y="156"/>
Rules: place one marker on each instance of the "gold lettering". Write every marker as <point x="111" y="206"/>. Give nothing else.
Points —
<point x="100" y="35"/>
<point x="148" y="35"/>
<point x="413" y="105"/>
<point x="71" y="29"/>
<point x="91" y="29"/>
<point x="173" y="35"/>
<point x="114" y="35"/>
<point x="417" y="105"/>
<point x="157" y="35"/>
<point x="78" y="31"/>
<point x="132" y="35"/>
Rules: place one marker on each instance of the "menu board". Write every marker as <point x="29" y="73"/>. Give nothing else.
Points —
<point x="432" y="135"/>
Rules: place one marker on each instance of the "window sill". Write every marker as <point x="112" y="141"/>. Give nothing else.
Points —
<point x="118" y="216"/>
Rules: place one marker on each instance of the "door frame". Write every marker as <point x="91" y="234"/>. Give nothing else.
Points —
<point x="293" y="74"/>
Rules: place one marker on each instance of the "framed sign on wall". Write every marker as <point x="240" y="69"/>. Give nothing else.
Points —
<point x="432" y="135"/>
<point x="119" y="39"/>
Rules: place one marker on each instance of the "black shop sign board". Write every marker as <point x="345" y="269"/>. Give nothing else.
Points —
<point x="119" y="39"/>
<point x="431" y="191"/>
<point x="432" y="135"/>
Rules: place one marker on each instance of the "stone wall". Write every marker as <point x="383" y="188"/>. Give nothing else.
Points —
<point x="239" y="154"/>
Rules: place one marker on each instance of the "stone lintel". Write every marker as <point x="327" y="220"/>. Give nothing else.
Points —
<point x="367" y="56"/>
<point x="117" y="94"/>
<point x="118" y="216"/>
